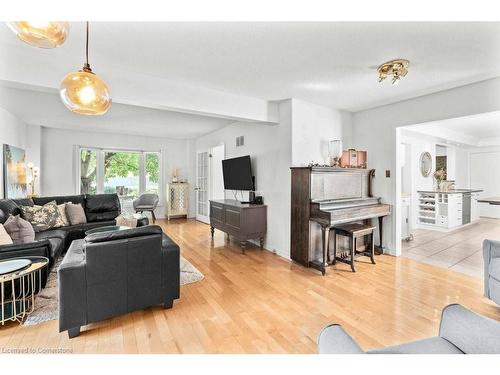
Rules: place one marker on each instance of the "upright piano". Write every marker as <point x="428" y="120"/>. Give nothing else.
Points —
<point x="323" y="197"/>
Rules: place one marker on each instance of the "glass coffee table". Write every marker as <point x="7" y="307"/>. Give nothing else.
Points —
<point x="109" y="228"/>
<point x="20" y="280"/>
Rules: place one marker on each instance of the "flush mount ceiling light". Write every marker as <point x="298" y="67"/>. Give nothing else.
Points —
<point x="84" y="92"/>
<point x="396" y="68"/>
<point x="42" y="34"/>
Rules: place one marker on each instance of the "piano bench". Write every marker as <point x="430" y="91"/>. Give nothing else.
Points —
<point x="353" y="231"/>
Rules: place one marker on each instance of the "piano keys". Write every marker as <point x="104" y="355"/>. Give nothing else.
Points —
<point x="323" y="197"/>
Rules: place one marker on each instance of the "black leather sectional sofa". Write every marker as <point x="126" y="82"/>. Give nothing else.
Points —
<point x="100" y="210"/>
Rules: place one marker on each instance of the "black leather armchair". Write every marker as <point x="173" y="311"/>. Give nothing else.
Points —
<point x="113" y="273"/>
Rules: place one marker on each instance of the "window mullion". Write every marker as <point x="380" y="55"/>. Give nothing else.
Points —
<point x="142" y="173"/>
<point x="100" y="171"/>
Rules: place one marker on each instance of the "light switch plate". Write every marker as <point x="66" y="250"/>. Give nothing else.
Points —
<point x="387" y="173"/>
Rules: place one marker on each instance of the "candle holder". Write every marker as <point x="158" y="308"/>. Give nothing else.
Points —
<point x="33" y="173"/>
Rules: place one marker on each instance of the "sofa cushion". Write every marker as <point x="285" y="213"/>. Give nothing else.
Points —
<point x="124" y="234"/>
<point x="4" y="237"/>
<point x="432" y="345"/>
<point x="19" y="230"/>
<point x="53" y="233"/>
<point x="494" y="269"/>
<point x="8" y="207"/>
<point x="102" y="207"/>
<point x="60" y="199"/>
<point x="24" y="202"/>
<point x="75" y="214"/>
<point x="43" y="217"/>
<point x="56" y="247"/>
<point x="86" y="226"/>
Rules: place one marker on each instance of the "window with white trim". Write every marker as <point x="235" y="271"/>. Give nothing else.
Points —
<point x="129" y="173"/>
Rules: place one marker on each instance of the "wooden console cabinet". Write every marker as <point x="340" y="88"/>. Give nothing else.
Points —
<point x="241" y="220"/>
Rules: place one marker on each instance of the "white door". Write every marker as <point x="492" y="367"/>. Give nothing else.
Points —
<point x="202" y="176"/>
<point x="216" y="177"/>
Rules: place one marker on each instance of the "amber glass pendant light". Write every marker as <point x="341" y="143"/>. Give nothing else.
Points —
<point x="42" y="34"/>
<point x="84" y="92"/>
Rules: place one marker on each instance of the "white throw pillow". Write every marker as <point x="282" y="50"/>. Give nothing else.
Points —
<point x="4" y="236"/>
<point x="75" y="213"/>
<point x="62" y="211"/>
<point x="128" y="221"/>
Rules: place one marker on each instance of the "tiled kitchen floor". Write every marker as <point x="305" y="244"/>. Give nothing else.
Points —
<point x="459" y="250"/>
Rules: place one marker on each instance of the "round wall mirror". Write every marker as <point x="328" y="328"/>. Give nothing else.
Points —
<point x="425" y="164"/>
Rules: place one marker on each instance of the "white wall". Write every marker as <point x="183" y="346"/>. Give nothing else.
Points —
<point x="270" y="150"/>
<point x="374" y="130"/>
<point x="483" y="174"/>
<point x="419" y="143"/>
<point x="58" y="157"/>
<point x="15" y="132"/>
<point x="313" y="127"/>
<point x="462" y="179"/>
<point x="301" y="136"/>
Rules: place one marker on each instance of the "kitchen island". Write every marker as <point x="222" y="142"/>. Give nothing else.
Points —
<point x="447" y="210"/>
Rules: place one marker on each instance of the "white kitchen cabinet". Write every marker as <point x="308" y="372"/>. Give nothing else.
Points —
<point x="474" y="208"/>
<point x="405" y="217"/>
<point x="445" y="210"/>
<point x="454" y="210"/>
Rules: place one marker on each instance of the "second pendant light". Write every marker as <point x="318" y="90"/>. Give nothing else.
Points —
<point x="84" y="92"/>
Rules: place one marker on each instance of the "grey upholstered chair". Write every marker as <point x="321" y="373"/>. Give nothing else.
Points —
<point x="461" y="332"/>
<point x="147" y="202"/>
<point x="491" y="255"/>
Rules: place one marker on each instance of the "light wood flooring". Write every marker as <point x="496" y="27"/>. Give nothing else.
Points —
<point x="459" y="250"/>
<point x="261" y="303"/>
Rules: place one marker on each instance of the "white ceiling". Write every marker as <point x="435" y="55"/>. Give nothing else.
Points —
<point x="480" y="130"/>
<point x="45" y="108"/>
<point x="332" y="64"/>
<point x="220" y="72"/>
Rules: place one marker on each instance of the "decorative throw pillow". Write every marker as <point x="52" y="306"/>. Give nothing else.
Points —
<point x="75" y="213"/>
<point x="127" y="221"/>
<point x="4" y="236"/>
<point x="43" y="217"/>
<point x="62" y="211"/>
<point x="19" y="230"/>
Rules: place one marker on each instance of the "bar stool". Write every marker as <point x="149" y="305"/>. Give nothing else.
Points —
<point x="353" y="231"/>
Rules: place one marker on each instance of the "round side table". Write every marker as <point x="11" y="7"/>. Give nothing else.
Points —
<point x="20" y="280"/>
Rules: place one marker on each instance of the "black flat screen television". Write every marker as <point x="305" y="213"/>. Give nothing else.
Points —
<point x="237" y="173"/>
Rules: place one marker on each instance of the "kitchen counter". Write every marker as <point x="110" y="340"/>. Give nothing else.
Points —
<point x="447" y="210"/>
<point x="492" y="200"/>
<point x="455" y="191"/>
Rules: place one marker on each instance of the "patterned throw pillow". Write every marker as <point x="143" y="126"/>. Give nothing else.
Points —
<point x="19" y="230"/>
<point x="4" y="236"/>
<point x="43" y="217"/>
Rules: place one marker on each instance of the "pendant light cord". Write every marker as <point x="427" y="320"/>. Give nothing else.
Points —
<point x="87" y="46"/>
<point x="86" y="67"/>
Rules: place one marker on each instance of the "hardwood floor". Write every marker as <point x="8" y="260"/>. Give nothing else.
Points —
<point x="261" y="303"/>
<point x="459" y="250"/>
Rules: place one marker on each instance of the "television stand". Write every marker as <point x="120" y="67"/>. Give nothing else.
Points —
<point x="241" y="220"/>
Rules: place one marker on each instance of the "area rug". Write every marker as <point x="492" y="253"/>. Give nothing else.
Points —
<point x="46" y="304"/>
